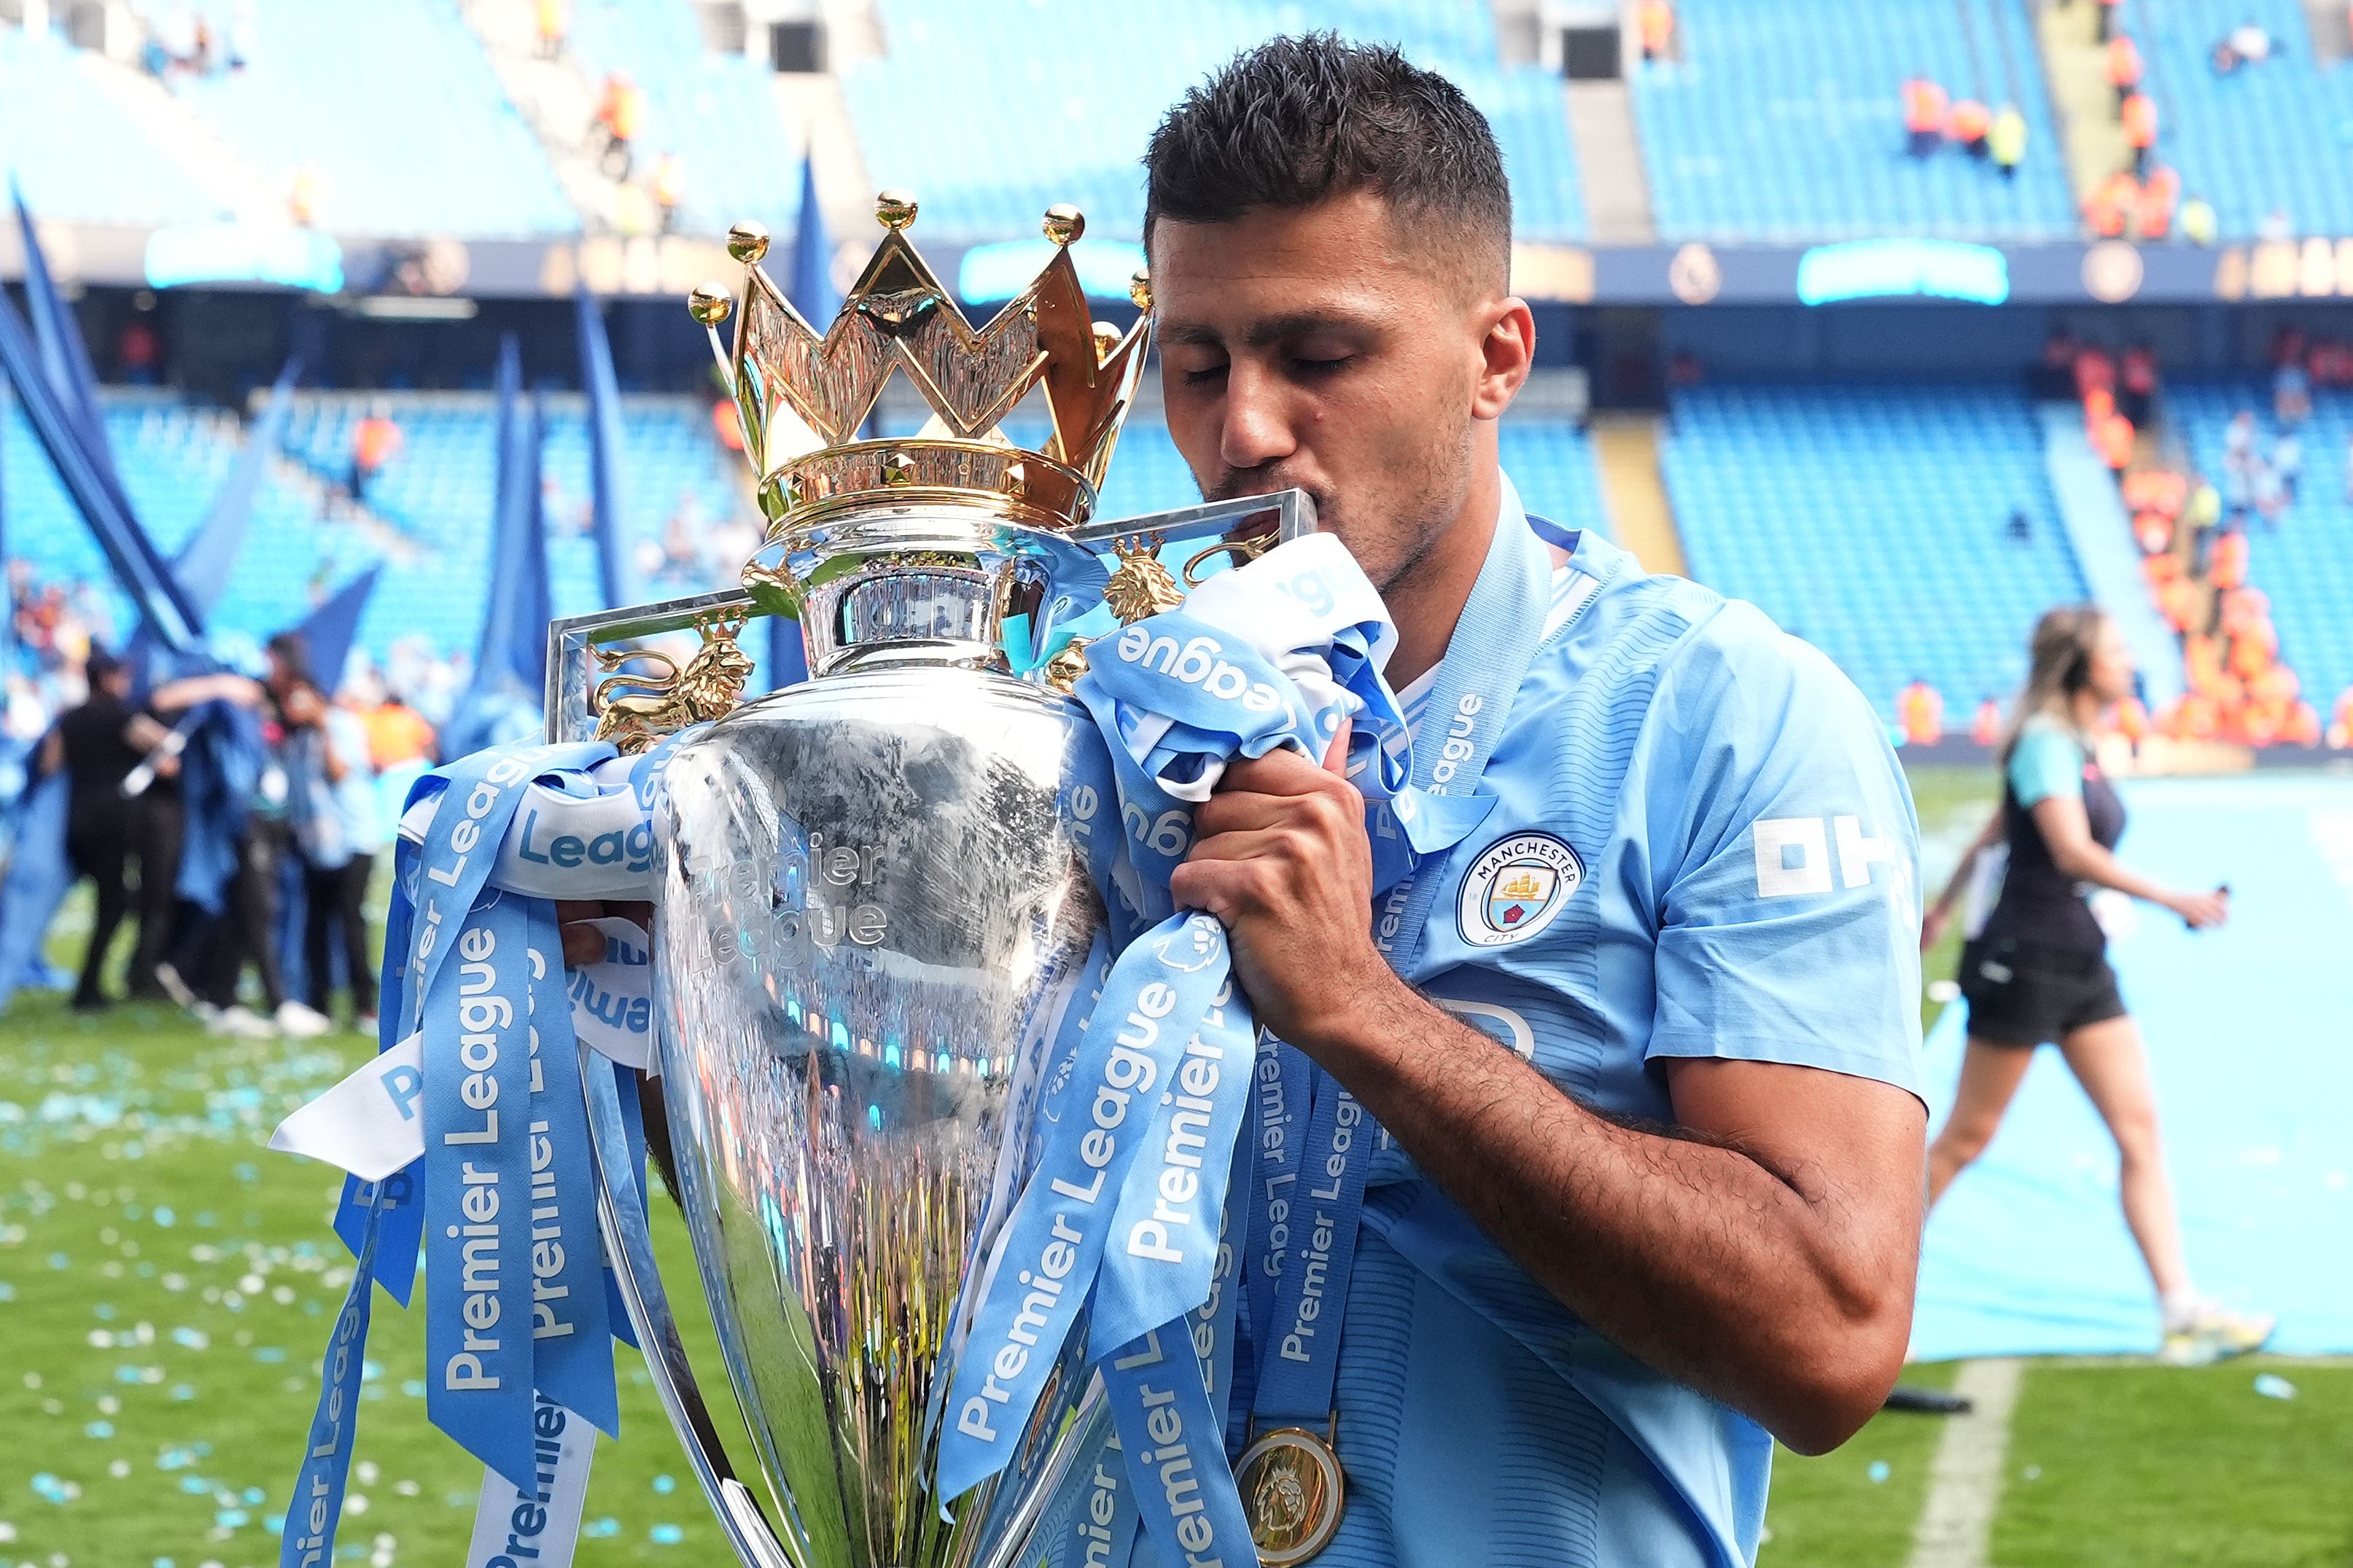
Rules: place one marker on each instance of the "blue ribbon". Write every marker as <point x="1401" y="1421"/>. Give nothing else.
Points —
<point x="570" y="1330"/>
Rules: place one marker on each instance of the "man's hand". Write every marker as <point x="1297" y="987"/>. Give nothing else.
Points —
<point x="1280" y="856"/>
<point x="584" y="944"/>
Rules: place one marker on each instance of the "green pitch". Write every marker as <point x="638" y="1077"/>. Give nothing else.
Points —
<point x="166" y="1286"/>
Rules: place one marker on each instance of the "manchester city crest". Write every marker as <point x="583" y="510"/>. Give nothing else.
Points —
<point x="1517" y="888"/>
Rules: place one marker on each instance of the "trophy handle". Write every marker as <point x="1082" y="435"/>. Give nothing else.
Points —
<point x="620" y="1216"/>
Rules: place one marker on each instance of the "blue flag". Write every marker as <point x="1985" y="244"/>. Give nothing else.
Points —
<point x="329" y="630"/>
<point x="603" y="450"/>
<point x="207" y="559"/>
<point x="138" y="568"/>
<point x="65" y="357"/>
<point x="511" y="662"/>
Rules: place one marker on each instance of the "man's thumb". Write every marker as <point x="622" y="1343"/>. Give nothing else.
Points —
<point x="1337" y="759"/>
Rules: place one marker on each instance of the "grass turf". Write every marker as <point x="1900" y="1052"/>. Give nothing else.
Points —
<point x="166" y="1286"/>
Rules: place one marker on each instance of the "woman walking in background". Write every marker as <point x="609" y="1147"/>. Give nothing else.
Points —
<point x="2038" y="972"/>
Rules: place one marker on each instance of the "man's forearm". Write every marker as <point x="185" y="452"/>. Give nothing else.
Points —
<point x="1743" y="1281"/>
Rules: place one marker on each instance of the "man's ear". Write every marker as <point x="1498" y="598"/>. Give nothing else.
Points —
<point x="1507" y="351"/>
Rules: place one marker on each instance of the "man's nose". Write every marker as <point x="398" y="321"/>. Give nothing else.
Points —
<point x="1257" y="429"/>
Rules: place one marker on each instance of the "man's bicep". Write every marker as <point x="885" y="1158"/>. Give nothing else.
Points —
<point x="1804" y="1124"/>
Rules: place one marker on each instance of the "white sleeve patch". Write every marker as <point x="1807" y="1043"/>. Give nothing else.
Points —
<point x="1793" y="857"/>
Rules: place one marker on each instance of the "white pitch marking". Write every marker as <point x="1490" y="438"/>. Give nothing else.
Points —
<point x="1965" y="1480"/>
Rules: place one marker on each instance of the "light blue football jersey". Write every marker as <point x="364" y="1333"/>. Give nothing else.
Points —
<point x="1702" y="845"/>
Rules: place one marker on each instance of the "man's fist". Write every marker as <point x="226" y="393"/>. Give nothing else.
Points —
<point x="1280" y="856"/>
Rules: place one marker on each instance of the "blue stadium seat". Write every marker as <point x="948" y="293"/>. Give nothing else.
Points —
<point x="2306" y="567"/>
<point x="2274" y="138"/>
<point x="418" y="141"/>
<point x="1783" y="122"/>
<point x="1871" y="521"/>
<point x="717" y="112"/>
<point x="992" y="111"/>
<point x="79" y="160"/>
<point x="172" y="459"/>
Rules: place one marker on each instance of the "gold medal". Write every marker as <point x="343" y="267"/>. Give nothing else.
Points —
<point x="1292" y="1489"/>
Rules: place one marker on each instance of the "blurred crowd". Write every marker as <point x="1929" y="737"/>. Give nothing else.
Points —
<point x="326" y="765"/>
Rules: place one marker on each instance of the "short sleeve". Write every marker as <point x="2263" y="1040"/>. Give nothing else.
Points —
<point x="1785" y="859"/>
<point x="2044" y="764"/>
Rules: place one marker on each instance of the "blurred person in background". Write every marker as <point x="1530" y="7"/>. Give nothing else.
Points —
<point x="2037" y="972"/>
<point x="1920" y="713"/>
<point x="669" y="189"/>
<point x="1654" y="25"/>
<point x="1970" y="125"/>
<point x="1924" y="115"/>
<point x="375" y="442"/>
<point x="2006" y="141"/>
<point x="336" y="828"/>
<point x="100" y="742"/>
<point x="620" y="115"/>
<point x="2124" y="65"/>
<point x="552" y="24"/>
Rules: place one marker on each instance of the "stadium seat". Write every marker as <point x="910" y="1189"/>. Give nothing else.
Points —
<point x="2305" y="566"/>
<point x="422" y="142"/>
<point x="717" y="112"/>
<point x="1871" y="521"/>
<point x="992" y="112"/>
<point x="2272" y="138"/>
<point x="76" y="156"/>
<point x="1782" y="122"/>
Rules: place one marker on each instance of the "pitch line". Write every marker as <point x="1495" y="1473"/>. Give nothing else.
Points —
<point x="1956" y="1525"/>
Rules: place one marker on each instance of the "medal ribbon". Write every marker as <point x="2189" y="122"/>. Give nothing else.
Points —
<point x="1314" y="1209"/>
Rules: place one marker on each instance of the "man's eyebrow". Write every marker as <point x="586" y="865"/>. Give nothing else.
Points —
<point x="1272" y="329"/>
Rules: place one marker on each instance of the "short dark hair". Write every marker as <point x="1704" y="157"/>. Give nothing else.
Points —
<point x="99" y="666"/>
<point x="1298" y="120"/>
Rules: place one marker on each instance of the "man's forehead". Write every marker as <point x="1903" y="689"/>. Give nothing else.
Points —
<point x="1239" y="274"/>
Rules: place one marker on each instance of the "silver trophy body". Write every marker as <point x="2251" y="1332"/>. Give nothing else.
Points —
<point x="873" y="911"/>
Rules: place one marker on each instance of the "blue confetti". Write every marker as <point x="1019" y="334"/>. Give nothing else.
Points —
<point x="269" y="1353"/>
<point x="163" y="1215"/>
<point x="230" y="1518"/>
<point x="163" y="1562"/>
<point x="194" y="1485"/>
<point x="99" y="1429"/>
<point x="412" y="1388"/>
<point x="666" y="1534"/>
<point x="665" y="1485"/>
<point x="183" y="1391"/>
<point x="606" y="1525"/>
<point x="59" y="1260"/>
<point x="7" y="1291"/>
<point x="1879" y="1471"/>
<point x="103" y="1311"/>
<point x="274" y="1522"/>
<point x="253" y="1495"/>
<point x="190" y="1339"/>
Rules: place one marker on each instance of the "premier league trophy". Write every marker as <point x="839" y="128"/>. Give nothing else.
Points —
<point x="875" y="901"/>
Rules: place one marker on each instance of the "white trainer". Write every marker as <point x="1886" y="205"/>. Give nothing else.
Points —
<point x="298" y="1022"/>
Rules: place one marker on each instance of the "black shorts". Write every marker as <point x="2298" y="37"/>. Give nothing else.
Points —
<point x="2023" y="994"/>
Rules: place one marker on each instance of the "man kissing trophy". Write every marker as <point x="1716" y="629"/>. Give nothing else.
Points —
<point x="954" y="1093"/>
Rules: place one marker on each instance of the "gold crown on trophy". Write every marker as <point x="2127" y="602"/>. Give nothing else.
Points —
<point x="803" y="396"/>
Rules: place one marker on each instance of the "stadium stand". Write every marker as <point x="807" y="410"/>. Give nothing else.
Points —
<point x="1872" y="520"/>
<point x="420" y="142"/>
<point x="2265" y="139"/>
<point x="717" y="112"/>
<point x="990" y="124"/>
<point x="76" y="155"/>
<point x="2304" y="565"/>
<point x="438" y="492"/>
<point x="174" y="457"/>
<point x="1781" y="121"/>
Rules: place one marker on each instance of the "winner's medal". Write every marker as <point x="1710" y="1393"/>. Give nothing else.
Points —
<point x="1293" y="1492"/>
